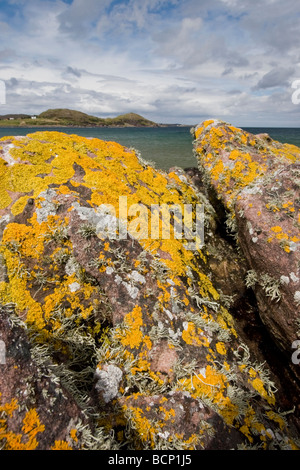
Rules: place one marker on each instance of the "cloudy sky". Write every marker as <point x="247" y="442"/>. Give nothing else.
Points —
<point x="172" y="61"/>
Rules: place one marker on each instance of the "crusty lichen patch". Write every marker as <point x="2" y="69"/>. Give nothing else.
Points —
<point x="27" y="438"/>
<point x="233" y="159"/>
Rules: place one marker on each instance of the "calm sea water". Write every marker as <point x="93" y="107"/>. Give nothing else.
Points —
<point x="166" y="146"/>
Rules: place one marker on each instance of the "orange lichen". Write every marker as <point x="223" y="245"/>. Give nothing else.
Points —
<point x="220" y="347"/>
<point x="61" y="445"/>
<point x="214" y="385"/>
<point x="239" y="168"/>
<point x="132" y="335"/>
<point x="73" y="435"/>
<point x="194" y="336"/>
<point x="259" y="386"/>
<point x="146" y="429"/>
<point x="25" y="440"/>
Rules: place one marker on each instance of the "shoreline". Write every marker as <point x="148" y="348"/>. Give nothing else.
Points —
<point x="95" y="127"/>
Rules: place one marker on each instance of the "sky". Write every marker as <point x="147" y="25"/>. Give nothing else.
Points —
<point x="172" y="61"/>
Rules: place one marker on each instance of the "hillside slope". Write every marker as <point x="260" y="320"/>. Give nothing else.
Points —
<point x="70" y="117"/>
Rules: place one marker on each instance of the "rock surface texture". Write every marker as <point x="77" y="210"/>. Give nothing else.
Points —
<point x="257" y="181"/>
<point x="116" y="339"/>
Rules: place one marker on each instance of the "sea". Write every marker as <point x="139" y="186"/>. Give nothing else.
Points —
<point x="166" y="147"/>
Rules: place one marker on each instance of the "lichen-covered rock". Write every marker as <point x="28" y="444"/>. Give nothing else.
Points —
<point x="131" y="323"/>
<point x="257" y="182"/>
<point x="37" y="412"/>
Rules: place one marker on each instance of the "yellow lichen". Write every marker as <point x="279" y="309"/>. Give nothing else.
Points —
<point x="194" y="336"/>
<point x="61" y="445"/>
<point x="220" y="347"/>
<point x="132" y="335"/>
<point x="214" y="385"/>
<point x="26" y="439"/>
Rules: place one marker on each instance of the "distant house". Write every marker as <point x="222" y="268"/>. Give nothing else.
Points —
<point x="11" y="118"/>
<point x="33" y="117"/>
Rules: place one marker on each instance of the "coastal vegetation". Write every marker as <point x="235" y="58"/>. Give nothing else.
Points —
<point x="70" y="118"/>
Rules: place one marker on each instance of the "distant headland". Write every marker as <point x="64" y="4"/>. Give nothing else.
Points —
<point x="72" y="118"/>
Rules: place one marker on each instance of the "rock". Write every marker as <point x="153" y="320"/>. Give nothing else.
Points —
<point x="270" y="240"/>
<point x="196" y="177"/>
<point x="37" y="412"/>
<point x="226" y="265"/>
<point x="132" y="324"/>
<point x="154" y="419"/>
<point x="256" y="180"/>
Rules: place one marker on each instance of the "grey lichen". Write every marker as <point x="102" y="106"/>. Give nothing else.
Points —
<point x="270" y="285"/>
<point x="251" y="278"/>
<point x="87" y="231"/>
<point x="108" y="381"/>
<point x="297" y="298"/>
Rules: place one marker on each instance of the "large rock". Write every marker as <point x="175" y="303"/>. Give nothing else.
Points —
<point x="131" y="325"/>
<point x="256" y="181"/>
<point x="38" y="412"/>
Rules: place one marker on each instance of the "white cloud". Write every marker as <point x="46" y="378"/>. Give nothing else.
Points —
<point x="173" y="61"/>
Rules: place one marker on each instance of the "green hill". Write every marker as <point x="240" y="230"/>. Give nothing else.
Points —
<point x="69" y="117"/>
<point x="130" y="119"/>
<point x="14" y="116"/>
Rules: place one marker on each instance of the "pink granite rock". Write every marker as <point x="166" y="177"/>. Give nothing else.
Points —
<point x="256" y="181"/>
